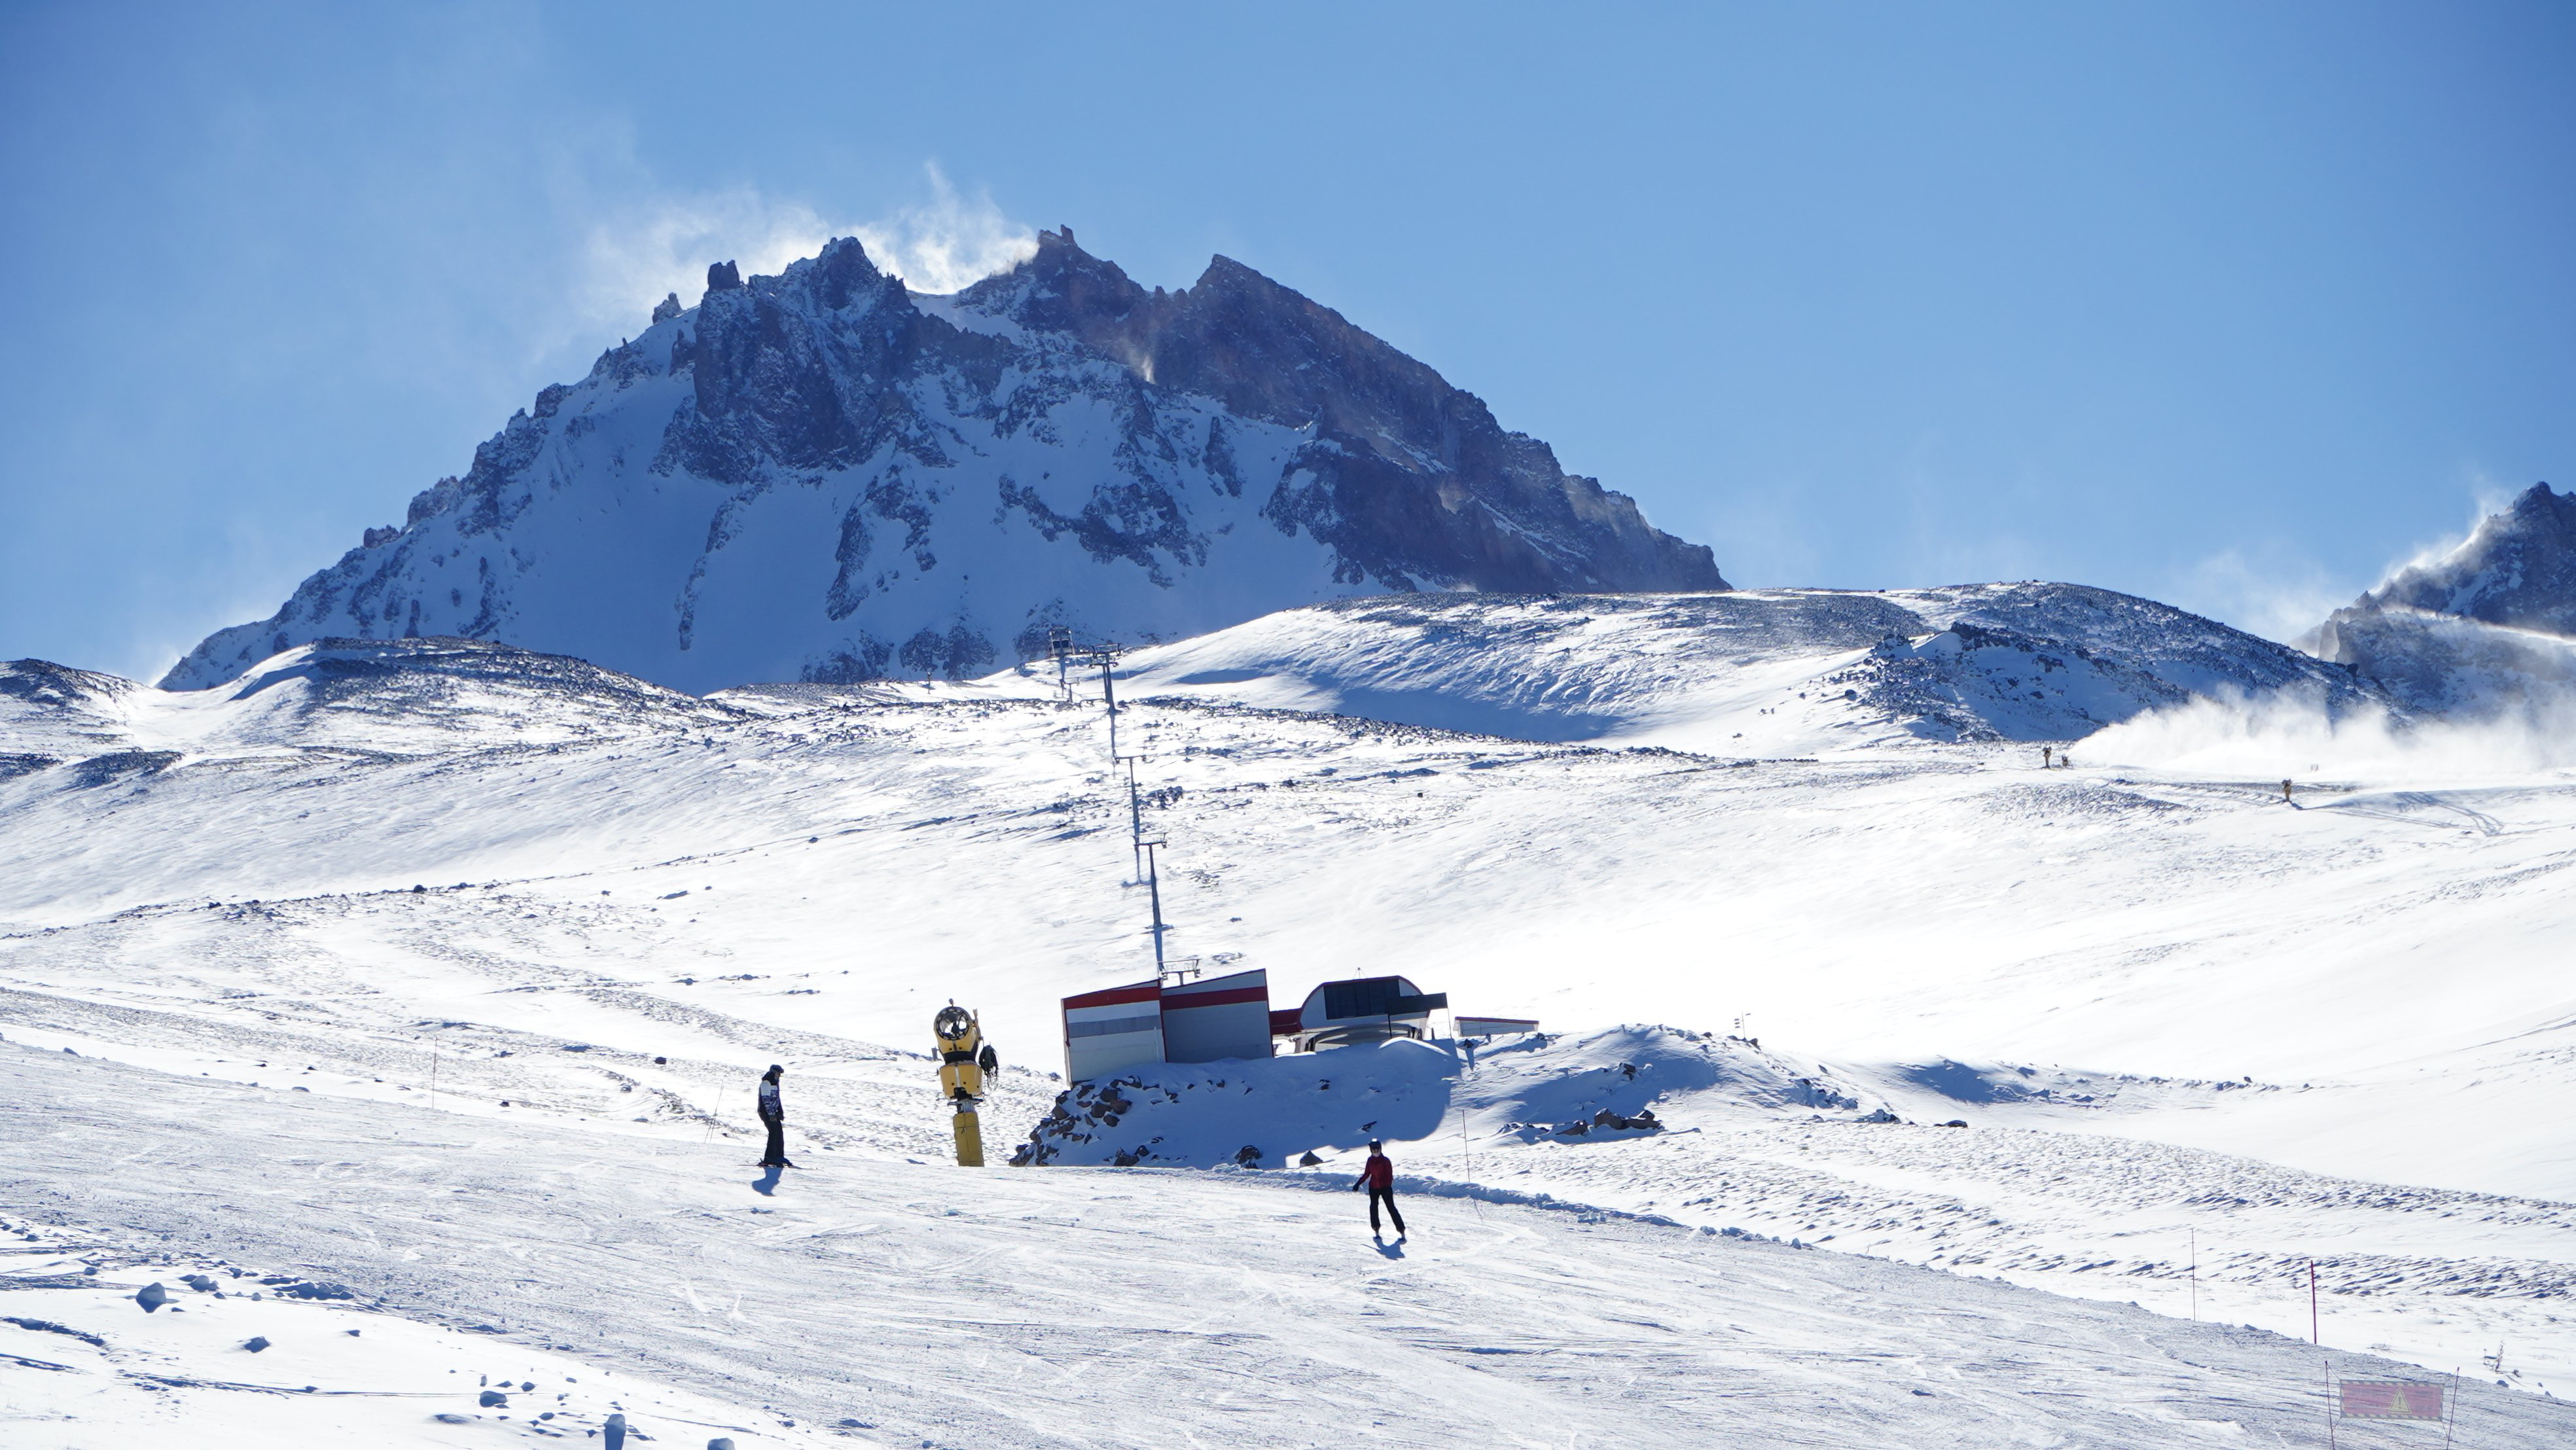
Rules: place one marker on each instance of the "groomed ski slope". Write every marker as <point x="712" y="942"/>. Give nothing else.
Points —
<point x="2257" y="1020"/>
<point x="904" y="1303"/>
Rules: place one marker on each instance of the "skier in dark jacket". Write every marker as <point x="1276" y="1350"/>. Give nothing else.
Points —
<point x="773" y="1115"/>
<point x="1378" y="1177"/>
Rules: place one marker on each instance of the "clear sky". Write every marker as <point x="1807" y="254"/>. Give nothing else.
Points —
<point x="2233" y="305"/>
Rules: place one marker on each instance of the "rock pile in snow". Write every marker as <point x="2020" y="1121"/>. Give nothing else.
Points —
<point x="1601" y="1085"/>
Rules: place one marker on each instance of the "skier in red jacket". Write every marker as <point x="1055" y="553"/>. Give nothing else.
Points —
<point x="1378" y="1177"/>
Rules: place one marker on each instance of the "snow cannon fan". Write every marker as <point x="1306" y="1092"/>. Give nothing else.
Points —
<point x="964" y="1059"/>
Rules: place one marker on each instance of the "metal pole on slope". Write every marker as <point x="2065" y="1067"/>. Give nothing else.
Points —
<point x="1109" y="693"/>
<point x="2313" y="1336"/>
<point x="1154" y="886"/>
<point x="2451" y="1421"/>
<point x="2195" y="1276"/>
<point x="1135" y="816"/>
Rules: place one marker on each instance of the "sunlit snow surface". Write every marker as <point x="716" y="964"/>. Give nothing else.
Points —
<point x="2167" y="1003"/>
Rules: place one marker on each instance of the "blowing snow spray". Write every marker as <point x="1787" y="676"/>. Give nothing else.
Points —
<point x="964" y="1058"/>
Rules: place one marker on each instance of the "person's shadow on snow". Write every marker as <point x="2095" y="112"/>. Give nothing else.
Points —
<point x="767" y="1183"/>
<point x="1391" y="1250"/>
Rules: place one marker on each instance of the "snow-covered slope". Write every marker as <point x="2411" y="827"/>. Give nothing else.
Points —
<point x="819" y="476"/>
<point x="606" y="905"/>
<point x="2486" y="630"/>
<point x="875" y="1301"/>
<point x="1758" y="672"/>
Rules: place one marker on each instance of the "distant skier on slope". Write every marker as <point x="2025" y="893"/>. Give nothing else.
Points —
<point x="1378" y="1177"/>
<point x="773" y="1115"/>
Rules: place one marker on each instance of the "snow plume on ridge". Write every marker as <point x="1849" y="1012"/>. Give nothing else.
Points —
<point x="631" y="264"/>
<point x="2292" y="734"/>
<point x="949" y="244"/>
<point x="945" y="244"/>
<point x="2272" y="591"/>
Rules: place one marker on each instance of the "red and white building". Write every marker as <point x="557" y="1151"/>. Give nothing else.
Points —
<point x="1208" y="1020"/>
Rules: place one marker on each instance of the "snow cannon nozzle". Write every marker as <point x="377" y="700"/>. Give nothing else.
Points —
<point x="964" y="1059"/>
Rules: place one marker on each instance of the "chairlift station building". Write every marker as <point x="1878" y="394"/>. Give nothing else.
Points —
<point x="1216" y="1019"/>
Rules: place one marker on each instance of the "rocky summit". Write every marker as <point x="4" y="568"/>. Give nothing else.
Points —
<point x="2489" y="626"/>
<point x="823" y="476"/>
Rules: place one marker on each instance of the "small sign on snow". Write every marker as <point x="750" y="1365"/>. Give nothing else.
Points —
<point x="2390" y="1400"/>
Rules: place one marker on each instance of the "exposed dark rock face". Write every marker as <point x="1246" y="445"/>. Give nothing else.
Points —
<point x="2518" y="569"/>
<point x="821" y="476"/>
<point x="2488" y="628"/>
<point x="1408" y="478"/>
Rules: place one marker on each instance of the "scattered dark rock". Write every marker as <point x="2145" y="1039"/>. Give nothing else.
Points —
<point x="1248" y="1156"/>
<point x="152" y="1296"/>
<point x="492" y="1399"/>
<point x="1310" y="1160"/>
<point x="255" y="1343"/>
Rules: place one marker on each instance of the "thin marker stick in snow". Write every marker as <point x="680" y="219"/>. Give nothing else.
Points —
<point x="2313" y="1336"/>
<point x="2195" y="1276"/>
<point x="2451" y="1421"/>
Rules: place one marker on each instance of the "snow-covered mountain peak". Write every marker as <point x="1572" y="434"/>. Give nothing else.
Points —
<point x="2488" y="627"/>
<point x="819" y="476"/>
<point x="2517" y="569"/>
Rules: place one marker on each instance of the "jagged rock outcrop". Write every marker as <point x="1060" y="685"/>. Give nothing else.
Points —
<point x="2489" y="627"/>
<point x="821" y="476"/>
<point x="2517" y="569"/>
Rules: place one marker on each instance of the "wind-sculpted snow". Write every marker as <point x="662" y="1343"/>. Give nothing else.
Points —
<point x="819" y="476"/>
<point x="1777" y="671"/>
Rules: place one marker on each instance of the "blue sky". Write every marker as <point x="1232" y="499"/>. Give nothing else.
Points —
<point x="2232" y="305"/>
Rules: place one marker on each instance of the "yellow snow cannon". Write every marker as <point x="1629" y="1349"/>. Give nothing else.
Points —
<point x="964" y="1059"/>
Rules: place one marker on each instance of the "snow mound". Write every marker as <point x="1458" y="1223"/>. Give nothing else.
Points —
<point x="1267" y="1113"/>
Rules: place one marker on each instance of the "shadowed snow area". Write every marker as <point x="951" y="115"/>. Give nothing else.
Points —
<point x="443" y="970"/>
